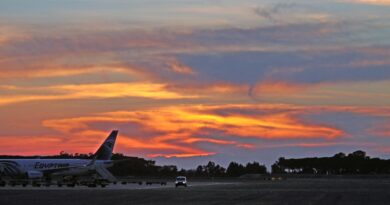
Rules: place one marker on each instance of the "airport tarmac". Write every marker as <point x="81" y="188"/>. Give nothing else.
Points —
<point x="118" y="186"/>
<point x="290" y="191"/>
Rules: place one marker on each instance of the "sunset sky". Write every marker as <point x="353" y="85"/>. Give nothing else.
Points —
<point x="188" y="81"/>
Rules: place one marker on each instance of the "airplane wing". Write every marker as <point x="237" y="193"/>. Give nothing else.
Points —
<point x="103" y="172"/>
<point x="89" y="165"/>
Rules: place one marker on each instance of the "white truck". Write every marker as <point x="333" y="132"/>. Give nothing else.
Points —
<point x="181" y="181"/>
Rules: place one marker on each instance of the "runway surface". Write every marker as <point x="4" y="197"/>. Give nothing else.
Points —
<point x="290" y="191"/>
<point x="132" y="186"/>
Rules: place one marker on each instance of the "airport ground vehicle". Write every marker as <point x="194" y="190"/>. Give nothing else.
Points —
<point x="181" y="181"/>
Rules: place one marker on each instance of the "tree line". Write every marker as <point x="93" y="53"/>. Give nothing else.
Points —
<point x="133" y="166"/>
<point x="340" y="164"/>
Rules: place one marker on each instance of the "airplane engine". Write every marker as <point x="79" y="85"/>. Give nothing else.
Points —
<point x="34" y="174"/>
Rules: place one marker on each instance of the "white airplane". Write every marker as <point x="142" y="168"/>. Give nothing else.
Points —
<point x="49" y="168"/>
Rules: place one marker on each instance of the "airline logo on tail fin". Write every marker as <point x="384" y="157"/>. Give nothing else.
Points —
<point x="105" y="150"/>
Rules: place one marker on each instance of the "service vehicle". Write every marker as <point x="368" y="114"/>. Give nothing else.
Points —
<point x="181" y="181"/>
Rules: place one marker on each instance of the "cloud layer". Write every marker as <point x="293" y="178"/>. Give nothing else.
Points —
<point x="196" y="80"/>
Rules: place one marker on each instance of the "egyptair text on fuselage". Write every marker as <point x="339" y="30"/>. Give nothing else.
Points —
<point x="40" y="165"/>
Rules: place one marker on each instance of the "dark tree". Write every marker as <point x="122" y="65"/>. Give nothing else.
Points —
<point x="235" y="169"/>
<point x="255" y="168"/>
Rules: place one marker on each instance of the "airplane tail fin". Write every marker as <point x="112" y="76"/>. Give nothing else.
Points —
<point x="105" y="150"/>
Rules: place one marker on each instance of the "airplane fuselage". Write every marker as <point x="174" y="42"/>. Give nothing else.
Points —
<point x="47" y="168"/>
<point x="13" y="167"/>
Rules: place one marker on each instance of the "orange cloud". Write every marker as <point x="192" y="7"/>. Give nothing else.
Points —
<point x="177" y="131"/>
<point x="378" y="111"/>
<point x="194" y="119"/>
<point x="33" y="145"/>
<point x="65" y="71"/>
<point x="183" y="131"/>
<point x="215" y="141"/>
<point x="91" y="91"/>
<point x="330" y="93"/>
<point x="182" y="155"/>
<point x="112" y="90"/>
<point x="212" y="90"/>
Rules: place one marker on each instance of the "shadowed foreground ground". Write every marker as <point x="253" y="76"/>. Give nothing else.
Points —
<point x="292" y="191"/>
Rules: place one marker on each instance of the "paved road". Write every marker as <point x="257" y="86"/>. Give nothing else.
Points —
<point x="292" y="191"/>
